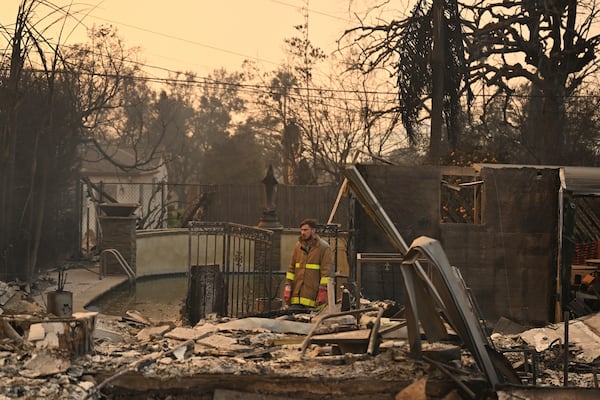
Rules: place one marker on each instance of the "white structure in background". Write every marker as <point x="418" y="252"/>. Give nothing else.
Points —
<point x="104" y="181"/>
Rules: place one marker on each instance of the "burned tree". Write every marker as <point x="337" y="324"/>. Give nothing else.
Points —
<point x="548" y="44"/>
<point x="50" y="99"/>
<point x="429" y="68"/>
<point x="38" y="146"/>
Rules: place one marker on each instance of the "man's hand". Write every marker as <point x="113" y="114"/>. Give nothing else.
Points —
<point x="287" y="293"/>
<point x="322" y="296"/>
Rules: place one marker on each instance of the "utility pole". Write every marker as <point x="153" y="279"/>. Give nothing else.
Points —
<point x="438" y="56"/>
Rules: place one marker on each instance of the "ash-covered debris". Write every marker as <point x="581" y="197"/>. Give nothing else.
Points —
<point x="16" y="298"/>
<point x="262" y="347"/>
<point x="538" y="354"/>
<point x="137" y="357"/>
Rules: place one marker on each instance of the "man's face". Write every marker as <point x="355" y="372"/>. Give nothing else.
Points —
<point x="306" y="232"/>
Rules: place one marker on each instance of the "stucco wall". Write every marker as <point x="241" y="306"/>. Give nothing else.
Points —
<point x="162" y="252"/>
<point x="166" y="251"/>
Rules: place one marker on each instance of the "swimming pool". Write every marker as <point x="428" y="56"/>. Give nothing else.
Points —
<point x="158" y="297"/>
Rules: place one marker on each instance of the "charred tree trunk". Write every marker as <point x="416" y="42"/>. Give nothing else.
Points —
<point x="8" y="146"/>
<point x="543" y="133"/>
<point x="437" y="93"/>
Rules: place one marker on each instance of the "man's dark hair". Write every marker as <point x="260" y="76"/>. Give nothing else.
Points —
<point x="310" y="222"/>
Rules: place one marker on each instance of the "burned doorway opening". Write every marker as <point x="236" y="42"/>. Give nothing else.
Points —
<point x="582" y="242"/>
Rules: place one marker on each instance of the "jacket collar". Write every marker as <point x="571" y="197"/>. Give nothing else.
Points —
<point x="306" y="246"/>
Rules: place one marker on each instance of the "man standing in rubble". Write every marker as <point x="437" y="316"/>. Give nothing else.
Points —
<point x="309" y="270"/>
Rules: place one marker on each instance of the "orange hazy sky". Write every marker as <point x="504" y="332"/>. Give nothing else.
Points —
<point x="202" y="35"/>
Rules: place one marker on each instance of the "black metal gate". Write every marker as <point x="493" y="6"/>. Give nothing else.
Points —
<point x="229" y="270"/>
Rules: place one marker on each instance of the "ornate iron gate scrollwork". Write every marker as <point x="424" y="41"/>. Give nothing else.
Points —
<point x="229" y="271"/>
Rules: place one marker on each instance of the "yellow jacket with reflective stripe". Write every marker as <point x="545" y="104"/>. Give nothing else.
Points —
<point x="309" y="268"/>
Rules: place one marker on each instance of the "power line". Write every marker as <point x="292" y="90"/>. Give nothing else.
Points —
<point x="186" y="40"/>
<point x="206" y="80"/>
<point x="196" y="43"/>
<point x="193" y="42"/>
<point x="220" y="49"/>
<point x="311" y="10"/>
<point x="313" y="92"/>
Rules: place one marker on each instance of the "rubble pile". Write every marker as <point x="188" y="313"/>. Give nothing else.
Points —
<point x="545" y="345"/>
<point x="131" y="355"/>
<point x="135" y="357"/>
<point x="16" y="298"/>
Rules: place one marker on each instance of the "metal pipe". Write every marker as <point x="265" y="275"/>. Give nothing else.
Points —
<point x="372" y="348"/>
<point x="566" y="349"/>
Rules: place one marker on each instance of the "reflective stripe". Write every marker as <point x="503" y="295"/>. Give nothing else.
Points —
<point x="324" y="280"/>
<point x="309" y="266"/>
<point x="290" y="276"/>
<point x="304" y="301"/>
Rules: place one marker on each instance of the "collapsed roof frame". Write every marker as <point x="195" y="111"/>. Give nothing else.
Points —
<point x="426" y="300"/>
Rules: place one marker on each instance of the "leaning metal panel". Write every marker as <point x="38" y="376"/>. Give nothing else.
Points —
<point x="242" y="254"/>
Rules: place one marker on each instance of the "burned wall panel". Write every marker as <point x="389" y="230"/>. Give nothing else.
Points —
<point x="409" y="195"/>
<point x="521" y="200"/>
<point x="506" y="277"/>
<point x="509" y="261"/>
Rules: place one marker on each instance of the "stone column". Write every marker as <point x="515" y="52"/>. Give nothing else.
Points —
<point x="269" y="220"/>
<point x="118" y="232"/>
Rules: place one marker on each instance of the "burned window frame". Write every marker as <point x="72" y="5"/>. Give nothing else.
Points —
<point x="461" y="197"/>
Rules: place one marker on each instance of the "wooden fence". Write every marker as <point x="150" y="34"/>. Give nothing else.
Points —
<point x="245" y="204"/>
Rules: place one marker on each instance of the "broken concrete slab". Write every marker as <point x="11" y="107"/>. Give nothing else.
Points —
<point x="593" y="322"/>
<point x="186" y="333"/>
<point x="541" y="338"/>
<point x="180" y="353"/>
<point x="152" y="332"/>
<point x="414" y="391"/>
<point x="44" y="364"/>
<point x="355" y="341"/>
<point x="273" y="325"/>
<point x="138" y="317"/>
<point x="104" y="334"/>
<point x="222" y="342"/>
<point x="36" y="332"/>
